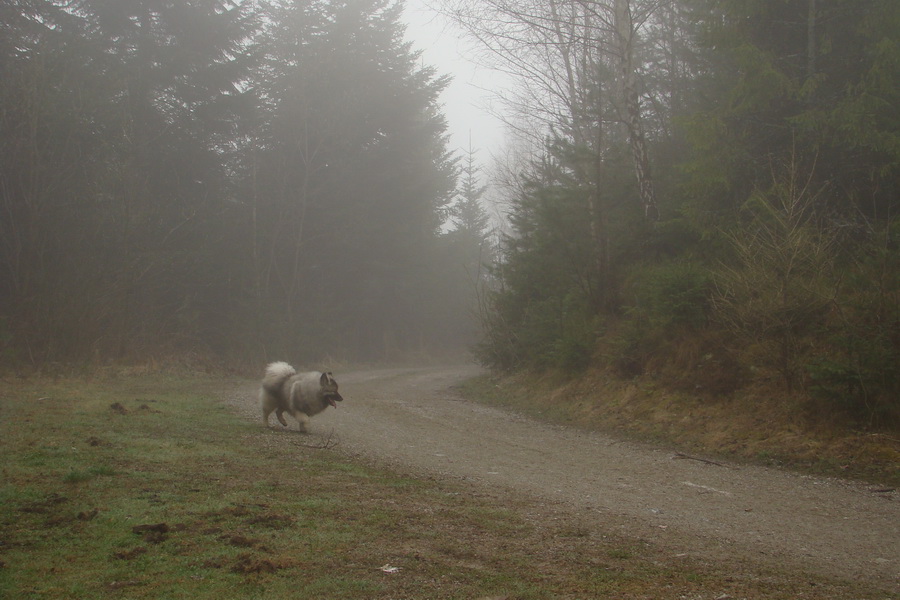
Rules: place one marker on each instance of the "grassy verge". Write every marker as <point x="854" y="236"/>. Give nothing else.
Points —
<point x="754" y="426"/>
<point x="150" y="488"/>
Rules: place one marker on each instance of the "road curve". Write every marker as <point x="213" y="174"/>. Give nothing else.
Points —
<point x="413" y="419"/>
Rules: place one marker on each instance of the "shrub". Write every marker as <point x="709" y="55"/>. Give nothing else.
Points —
<point x="673" y="295"/>
<point x="777" y="291"/>
<point x="668" y="300"/>
<point x="858" y="370"/>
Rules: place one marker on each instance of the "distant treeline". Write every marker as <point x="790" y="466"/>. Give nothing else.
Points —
<point x="715" y="201"/>
<point x="236" y="180"/>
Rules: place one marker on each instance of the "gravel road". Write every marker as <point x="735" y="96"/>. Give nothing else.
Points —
<point x="412" y="420"/>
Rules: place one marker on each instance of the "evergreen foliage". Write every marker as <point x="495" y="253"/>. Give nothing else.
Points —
<point x="771" y="126"/>
<point x="234" y="179"/>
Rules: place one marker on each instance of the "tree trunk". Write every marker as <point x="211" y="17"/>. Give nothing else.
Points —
<point x="591" y="175"/>
<point x="811" y="40"/>
<point x="632" y="108"/>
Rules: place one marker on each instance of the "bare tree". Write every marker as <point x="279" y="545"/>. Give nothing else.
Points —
<point x="559" y="51"/>
<point x="545" y="45"/>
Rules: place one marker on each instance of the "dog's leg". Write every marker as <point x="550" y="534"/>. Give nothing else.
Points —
<point x="302" y="421"/>
<point x="266" y="408"/>
<point x="280" y="414"/>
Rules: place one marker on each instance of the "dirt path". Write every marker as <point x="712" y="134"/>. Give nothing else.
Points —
<point x="412" y="420"/>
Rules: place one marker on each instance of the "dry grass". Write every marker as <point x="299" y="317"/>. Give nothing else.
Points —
<point x="753" y="425"/>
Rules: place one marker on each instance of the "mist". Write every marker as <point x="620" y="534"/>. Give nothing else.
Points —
<point x="240" y="181"/>
<point x="699" y="192"/>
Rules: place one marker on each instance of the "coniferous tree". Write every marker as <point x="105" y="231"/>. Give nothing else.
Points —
<point x="352" y="175"/>
<point x="467" y="214"/>
<point x="788" y="82"/>
<point x="135" y="112"/>
<point x="147" y="210"/>
<point x="464" y="277"/>
<point x="52" y="103"/>
<point x="177" y="66"/>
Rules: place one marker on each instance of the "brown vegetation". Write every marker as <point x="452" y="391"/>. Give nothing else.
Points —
<point x="759" y="423"/>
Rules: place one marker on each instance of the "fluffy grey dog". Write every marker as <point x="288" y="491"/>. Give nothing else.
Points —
<point x="302" y="395"/>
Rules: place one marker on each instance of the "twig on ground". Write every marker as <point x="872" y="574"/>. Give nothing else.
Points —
<point x="327" y="443"/>
<point x="703" y="460"/>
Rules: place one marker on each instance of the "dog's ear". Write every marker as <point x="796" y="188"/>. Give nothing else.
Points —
<point x="323" y="380"/>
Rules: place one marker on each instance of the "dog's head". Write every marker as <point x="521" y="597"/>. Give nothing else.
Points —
<point x="329" y="389"/>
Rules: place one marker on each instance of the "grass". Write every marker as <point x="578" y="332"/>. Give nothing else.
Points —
<point x="148" y="487"/>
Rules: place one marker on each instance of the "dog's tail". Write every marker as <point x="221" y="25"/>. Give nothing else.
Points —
<point x="276" y="374"/>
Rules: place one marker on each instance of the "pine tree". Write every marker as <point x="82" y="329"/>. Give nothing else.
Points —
<point x="791" y="81"/>
<point x="52" y="104"/>
<point x="468" y="214"/>
<point x="352" y="176"/>
<point x="175" y="67"/>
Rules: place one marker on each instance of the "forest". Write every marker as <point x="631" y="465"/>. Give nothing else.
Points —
<point x="700" y="191"/>
<point x="709" y="197"/>
<point x="237" y="180"/>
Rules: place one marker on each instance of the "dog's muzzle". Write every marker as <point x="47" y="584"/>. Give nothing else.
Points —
<point x="333" y="398"/>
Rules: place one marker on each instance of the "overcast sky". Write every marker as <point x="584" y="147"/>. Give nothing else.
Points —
<point x="467" y="99"/>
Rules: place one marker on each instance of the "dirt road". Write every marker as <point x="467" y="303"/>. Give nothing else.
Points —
<point x="411" y="419"/>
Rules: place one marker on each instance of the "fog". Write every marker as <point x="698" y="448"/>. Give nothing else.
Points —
<point x="242" y="181"/>
<point x="694" y="183"/>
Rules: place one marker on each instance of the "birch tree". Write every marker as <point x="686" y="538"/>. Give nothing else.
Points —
<point x="575" y="61"/>
<point x="626" y="38"/>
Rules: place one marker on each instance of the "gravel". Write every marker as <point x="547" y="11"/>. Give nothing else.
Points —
<point x="411" y="420"/>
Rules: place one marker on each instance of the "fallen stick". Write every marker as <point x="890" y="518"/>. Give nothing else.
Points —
<point x="703" y="460"/>
<point x="326" y="444"/>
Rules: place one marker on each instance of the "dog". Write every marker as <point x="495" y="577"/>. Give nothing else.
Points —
<point x="302" y="395"/>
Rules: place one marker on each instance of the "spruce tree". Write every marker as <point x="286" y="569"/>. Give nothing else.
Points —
<point x="352" y="177"/>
